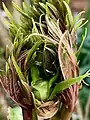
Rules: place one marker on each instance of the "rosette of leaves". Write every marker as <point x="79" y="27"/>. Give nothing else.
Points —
<point x="42" y="72"/>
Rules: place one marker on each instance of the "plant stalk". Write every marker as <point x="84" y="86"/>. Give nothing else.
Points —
<point x="27" y="114"/>
<point x="65" y="114"/>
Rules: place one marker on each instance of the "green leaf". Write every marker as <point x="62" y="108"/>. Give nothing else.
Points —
<point x="83" y="39"/>
<point x="34" y="29"/>
<point x="67" y="1"/>
<point x="34" y="74"/>
<point x="49" y="12"/>
<point x="66" y="84"/>
<point x="10" y="17"/>
<point x="52" y="8"/>
<point x="52" y="80"/>
<point x="17" y="35"/>
<point x="7" y="67"/>
<point x="43" y="36"/>
<point x="83" y="24"/>
<point x="42" y="5"/>
<point x="20" y="10"/>
<point x="41" y="90"/>
<point x="79" y="23"/>
<point x="77" y="17"/>
<point x="15" y="113"/>
<point x="69" y="14"/>
<point x="18" y="70"/>
<point x="31" y="51"/>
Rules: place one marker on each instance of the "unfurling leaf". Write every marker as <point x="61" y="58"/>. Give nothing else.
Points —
<point x="67" y="83"/>
<point x="18" y="70"/>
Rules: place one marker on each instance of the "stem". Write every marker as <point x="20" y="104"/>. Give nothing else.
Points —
<point x="65" y="114"/>
<point x="27" y="114"/>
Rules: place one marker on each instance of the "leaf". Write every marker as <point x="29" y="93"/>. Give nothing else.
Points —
<point x="41" y="90"/>
<point x="49" y="12"/>
<point x="9" y="83"/>
<point x="34" y="74"/>
<point x="41" y="24"/>
<point x="66" y="84"/>
<point x="30" y="11"/>
<point x="69" y="14"/>
<point x="7" y="67"/>
<point x="18" y="70"/>
<point x="84" y="24"/>
<point x="47" y="109"/>
<point x="54" y="29"/>
<point x="52" y="80"/>
<point x="68" y="1"/>
<point x="10" y="17"/>
<point x="79" y="23"/>
<point x="35" y="30"/>
<point x="43" y="36"/>
<point x="67" y="58"/>
<point x="53" y="9"/>
<point x="83" y="39"/>
<point x="26" y="89"/>
<point x="31" y="51"/>
<point x="42" y="5"/>
<point x="49" y="62"/>
<point x="17" y="35"/>
<point x="77" y="17"/>
<point x="20" y="10"/>
<point x="15" y="113"/>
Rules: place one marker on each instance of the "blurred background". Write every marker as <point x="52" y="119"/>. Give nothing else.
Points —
<point x="82" y="110"/>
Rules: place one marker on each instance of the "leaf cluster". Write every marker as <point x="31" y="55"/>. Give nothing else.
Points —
<point x="46" y="29"/>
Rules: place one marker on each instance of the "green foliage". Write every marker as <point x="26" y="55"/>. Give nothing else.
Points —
<point x="15" y="113"/>
<point x="42" y="45"/>
<point x="18" y="70"/>
<point x="33" y="31"/>
<point x="67" y="83"/>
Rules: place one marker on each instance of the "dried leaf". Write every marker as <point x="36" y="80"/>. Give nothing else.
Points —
<point x="47" y="109"/>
